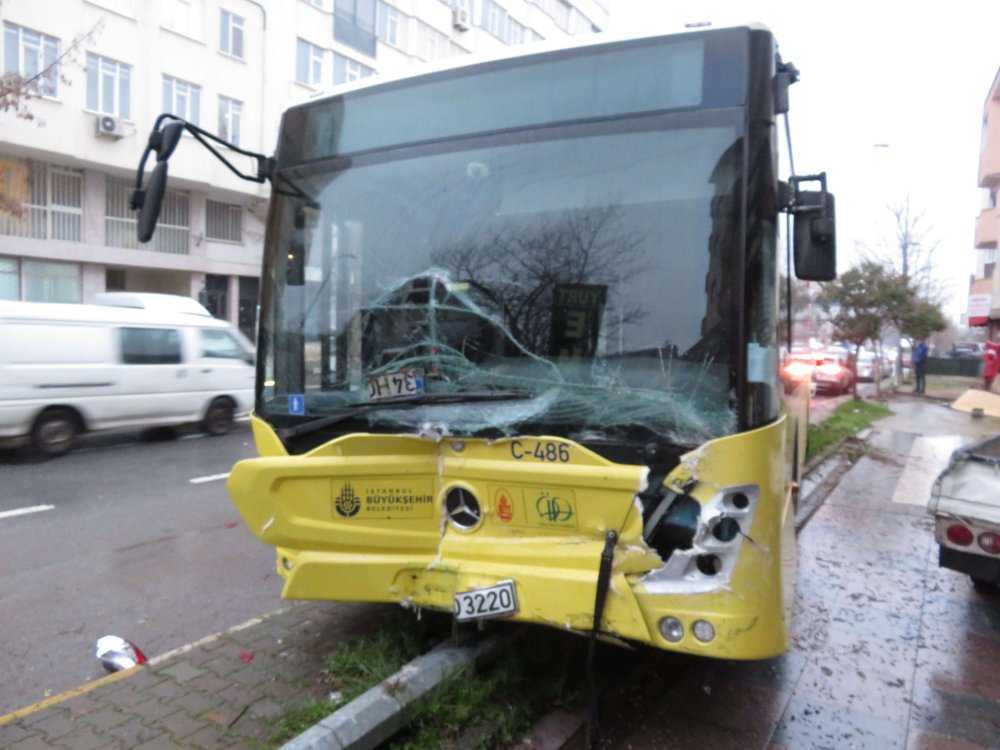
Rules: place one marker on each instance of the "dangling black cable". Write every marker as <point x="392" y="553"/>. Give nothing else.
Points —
<point x="603" y="581"/>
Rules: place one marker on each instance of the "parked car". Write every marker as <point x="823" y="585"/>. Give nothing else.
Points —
<point x="869" y="368"/>
<point x="967" y="350"/>
<point x="834" y="372"/>
<point x="66" y="369"/>
<point x="965" y="503"/>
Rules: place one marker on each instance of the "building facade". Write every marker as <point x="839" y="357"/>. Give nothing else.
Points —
<point x="984" y="288"/>
<point x="103" y="70"/>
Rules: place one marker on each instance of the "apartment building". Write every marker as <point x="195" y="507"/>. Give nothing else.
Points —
<point x="984" y="288"/>
<point x="110" y="67"/>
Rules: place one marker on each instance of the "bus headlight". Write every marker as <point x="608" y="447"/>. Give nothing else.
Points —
<point x="703" y="630"/>
<point x="671" y="629"/>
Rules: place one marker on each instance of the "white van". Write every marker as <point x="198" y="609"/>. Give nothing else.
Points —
<point x="67" y="369"/>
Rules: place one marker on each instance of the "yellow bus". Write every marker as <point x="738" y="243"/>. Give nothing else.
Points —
<point x="518" y="349"/>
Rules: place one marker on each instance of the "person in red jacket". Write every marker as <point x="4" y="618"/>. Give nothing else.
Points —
<point x="991" y="363"/>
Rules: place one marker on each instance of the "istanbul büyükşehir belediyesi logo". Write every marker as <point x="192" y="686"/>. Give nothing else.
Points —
<point x="347" y="503"/>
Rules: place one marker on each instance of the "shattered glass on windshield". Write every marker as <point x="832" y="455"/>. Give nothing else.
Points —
<point x="575" y="283"/>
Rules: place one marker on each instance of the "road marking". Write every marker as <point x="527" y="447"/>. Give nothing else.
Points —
<point x="209" y="478"/>
<point x="25" y="511"/>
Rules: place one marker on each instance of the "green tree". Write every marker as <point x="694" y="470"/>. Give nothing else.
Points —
<point x="864" y="299"/>
<point x="921" y="319"/>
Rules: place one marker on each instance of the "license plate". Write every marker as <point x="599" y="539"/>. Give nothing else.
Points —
<point x="395" y="385"/>
<point x="495" y="601"/>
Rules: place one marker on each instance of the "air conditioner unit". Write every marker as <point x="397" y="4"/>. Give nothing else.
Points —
<point x="461" y="19"/>
<point x="109" y="127"/>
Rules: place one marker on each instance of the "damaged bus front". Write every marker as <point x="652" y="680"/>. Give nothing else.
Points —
<point x="518" y="348"/>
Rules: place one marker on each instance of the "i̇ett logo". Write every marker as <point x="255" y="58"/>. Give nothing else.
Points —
<point x="553" y="509"/>
<point x="347" y="504"/>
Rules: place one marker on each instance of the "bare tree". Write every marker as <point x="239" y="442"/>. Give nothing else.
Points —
<point x="909" y="250"/>
<point x="17" y="92"/>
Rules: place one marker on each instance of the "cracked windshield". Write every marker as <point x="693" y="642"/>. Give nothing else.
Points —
<point x="567" y="281"/>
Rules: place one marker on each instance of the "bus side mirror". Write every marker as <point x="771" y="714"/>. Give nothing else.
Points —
<point x="814" y="230"/>
<point x="815" y="243"/>
<point x="148" y="202"/>
<point x="149" y="212"/>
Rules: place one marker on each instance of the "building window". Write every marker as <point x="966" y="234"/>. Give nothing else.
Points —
<point x="557" y="9"/>
<point x="498" y="22"/>
<point x="39" y="280"/>
<point x="494" y="18"/>
<point x="32" y="56"/>
<point x="309" y="64"/>
<point x="51" y="198"/>
<point x="183" y="16"/>
<point x="231" y="34"/>
<point x="223" y="221"/>
<point x="47" y="281"/>
<point x="345" y="69"/>
<point x="431" y="43"/>
<point x="10" y="279"/>
<point x="230" y="119"/>
<point x="115" y="279"/>
<point x="514" y="33"/>
<point x="173" y="230"/>
<point x="181" y="98"/>
<point x="389" y="25"/>
<point x="354" y="24"/>
<point x="109" y="86"/>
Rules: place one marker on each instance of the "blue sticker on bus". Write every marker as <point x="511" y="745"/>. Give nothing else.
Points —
<point x="296" y="404"/>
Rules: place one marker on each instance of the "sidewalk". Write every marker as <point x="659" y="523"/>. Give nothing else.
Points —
<point x="898" y="651"/>
<point x="888" y="650"/>
<point x="226" y="691"/>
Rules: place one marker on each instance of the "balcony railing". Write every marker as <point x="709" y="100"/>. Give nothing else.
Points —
<point x="347" y="31"/>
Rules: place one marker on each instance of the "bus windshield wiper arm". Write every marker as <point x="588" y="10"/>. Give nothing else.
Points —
<point x="355" y="410"/>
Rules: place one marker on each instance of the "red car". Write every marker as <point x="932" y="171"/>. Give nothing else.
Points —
<point x="798" y="368"/>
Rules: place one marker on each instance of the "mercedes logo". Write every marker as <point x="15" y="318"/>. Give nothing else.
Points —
<point x="462" y="509"/>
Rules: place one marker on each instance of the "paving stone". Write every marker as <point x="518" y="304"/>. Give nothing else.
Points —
<point x="54" y="723"/>
<point x="105" y="718"/>
<point x="182" y="671"/>
<point x="84" y="738"/>
<point x="14" y="732"/>
<point x="152" y="709"/>
<point x="179" y="724"/>
<point x="160" y="742"/>
<point x="34" y="742"/>
<point x="196" y="702"/>
<point x="132" y="733"/>
<point x="208" y="683"/>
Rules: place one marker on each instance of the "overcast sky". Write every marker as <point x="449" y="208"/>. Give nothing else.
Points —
<point x="911" y="76"/>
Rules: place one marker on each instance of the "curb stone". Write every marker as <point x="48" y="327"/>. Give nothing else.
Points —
<point x="380" y="712"/>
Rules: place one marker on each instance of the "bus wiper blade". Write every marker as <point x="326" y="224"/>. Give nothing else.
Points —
<point x="355" y="410"/>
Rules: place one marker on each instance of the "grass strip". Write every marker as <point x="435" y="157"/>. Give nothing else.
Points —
<point x="847" y="419"/>
<point x="473" y="708"/>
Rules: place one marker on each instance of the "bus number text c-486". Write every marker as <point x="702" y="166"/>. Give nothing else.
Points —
<point x="539" y="451"/>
